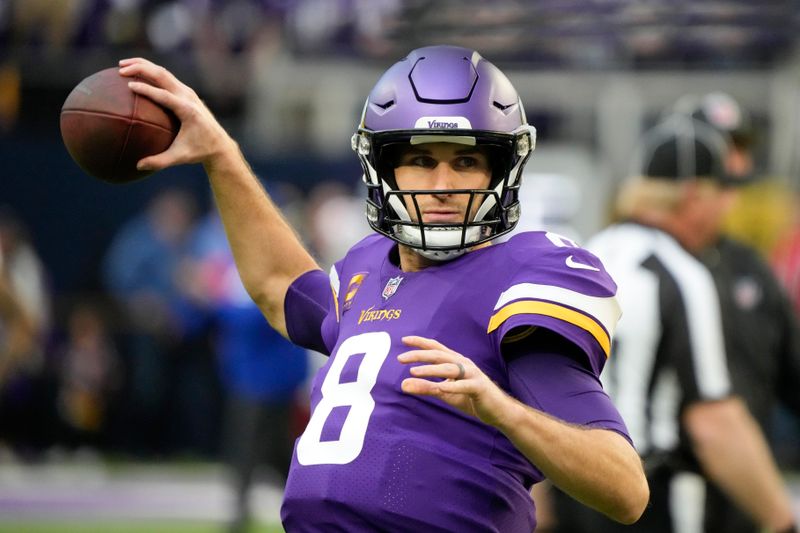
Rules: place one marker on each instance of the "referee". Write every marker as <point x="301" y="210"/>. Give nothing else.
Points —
<point x="705" y="346"/>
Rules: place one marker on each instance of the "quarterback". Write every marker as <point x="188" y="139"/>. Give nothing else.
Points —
<point x="460" y="373"/>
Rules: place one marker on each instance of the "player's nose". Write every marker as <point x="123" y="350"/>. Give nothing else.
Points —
<point x="444" y="177"/>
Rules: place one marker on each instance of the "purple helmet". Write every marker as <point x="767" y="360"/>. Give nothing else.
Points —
<point x="443" y="94"/>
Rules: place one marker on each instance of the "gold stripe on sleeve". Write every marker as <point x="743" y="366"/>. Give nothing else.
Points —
<point x="533" y="307"/>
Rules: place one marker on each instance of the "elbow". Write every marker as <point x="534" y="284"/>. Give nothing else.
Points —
<point x="271" y="308"/>
<point x="259" y="295"/>
<point x="634" y="503"/>
<point x="269" y="292"/>
<point x="627" y="500"/>
<point x="264" y="297"/>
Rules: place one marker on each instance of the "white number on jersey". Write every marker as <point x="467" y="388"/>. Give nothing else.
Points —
<point x="560" y="241"/>
<point x="311" y="450"/>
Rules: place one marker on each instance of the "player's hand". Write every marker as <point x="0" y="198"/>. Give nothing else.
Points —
<point x="201" y="138"/>
<point x="464" y="385"/>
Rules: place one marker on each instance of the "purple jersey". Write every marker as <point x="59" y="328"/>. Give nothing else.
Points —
<point x="375" y="458"/>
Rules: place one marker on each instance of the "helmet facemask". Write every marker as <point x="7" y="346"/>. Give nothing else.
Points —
<point x="498" y="205"/>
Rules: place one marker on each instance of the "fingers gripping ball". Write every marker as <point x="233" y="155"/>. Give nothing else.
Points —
<point x="107" y="128"/>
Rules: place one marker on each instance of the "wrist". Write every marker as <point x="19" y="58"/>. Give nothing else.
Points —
<point x="791" y="529"/>
<point x="227" y="155"/>
<point x="510" y="416"/>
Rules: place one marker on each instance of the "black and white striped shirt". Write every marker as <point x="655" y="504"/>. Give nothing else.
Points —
<point x="669" y="347"/>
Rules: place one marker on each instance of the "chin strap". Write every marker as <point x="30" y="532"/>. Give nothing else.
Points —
<point x="440" y="255"/>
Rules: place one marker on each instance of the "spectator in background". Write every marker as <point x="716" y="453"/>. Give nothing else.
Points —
<point x="17" y="346"/>
<point x="10" y="95"/>
<point x="704" y="349"/>
<point x="24" y="272"/>
<point x="52" y="23"/>
<point x="17" y="339"/>
<point x="24" y="330"/>
<point x="550" y="202"/>
<point x="333" y="201"/>
<point x="88" y="376"/>
<point x="139" y="271"/>
<point x="261" y="371"/>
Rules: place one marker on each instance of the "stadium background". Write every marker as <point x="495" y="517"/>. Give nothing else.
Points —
<point x="288" y="79"/>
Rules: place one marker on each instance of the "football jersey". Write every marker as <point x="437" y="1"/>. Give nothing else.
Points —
<point x="374" y="458"/>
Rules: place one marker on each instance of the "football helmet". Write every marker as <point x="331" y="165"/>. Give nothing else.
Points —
<point x="443" y="94"/>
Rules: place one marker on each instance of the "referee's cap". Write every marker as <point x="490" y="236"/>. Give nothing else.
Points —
<point x="722" y="112"/>
<point x="680" y="147"/>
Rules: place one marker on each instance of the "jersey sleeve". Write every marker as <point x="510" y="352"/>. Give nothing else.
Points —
<point x="546" y="373"/>
<point x="563" y="288"/>
<point x="311" y="310"/>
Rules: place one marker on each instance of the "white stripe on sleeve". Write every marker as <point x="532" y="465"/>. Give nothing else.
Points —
<point x="605" y="310"/>
<point x="334" y="277"/>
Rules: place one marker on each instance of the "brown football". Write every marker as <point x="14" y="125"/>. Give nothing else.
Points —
<point x="107" y="128"/>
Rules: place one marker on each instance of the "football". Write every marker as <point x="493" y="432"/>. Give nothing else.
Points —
<point x="107" y="128"/>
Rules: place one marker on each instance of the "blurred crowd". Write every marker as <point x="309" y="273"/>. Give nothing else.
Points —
<point x="170" y="359"/>
<point x="164" y="26"/>
<point x="165" y="357"/>
<point x="150" y="366"/>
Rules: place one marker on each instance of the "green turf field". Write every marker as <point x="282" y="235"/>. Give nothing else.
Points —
<point x="104" y="497"/>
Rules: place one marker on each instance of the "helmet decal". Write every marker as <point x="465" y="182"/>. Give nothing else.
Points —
<point x="449" y="123"/>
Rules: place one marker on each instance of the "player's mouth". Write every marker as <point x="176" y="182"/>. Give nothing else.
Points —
<point x="442" y="216"/>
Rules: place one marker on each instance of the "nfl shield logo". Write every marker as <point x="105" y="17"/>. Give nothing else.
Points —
<point x="391" y="287"/>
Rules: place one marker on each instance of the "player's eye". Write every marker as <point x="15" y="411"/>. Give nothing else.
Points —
<point x="423" y="161"/>
<point x="469" y="162"/>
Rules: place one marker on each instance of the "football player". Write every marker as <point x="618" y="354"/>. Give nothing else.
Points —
<point x="459" y="373"/>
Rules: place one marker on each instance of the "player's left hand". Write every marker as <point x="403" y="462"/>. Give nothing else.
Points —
<point x="469" y="390"/>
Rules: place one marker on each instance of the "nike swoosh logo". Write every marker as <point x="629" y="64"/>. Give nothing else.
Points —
<point x="574" y="264"/>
